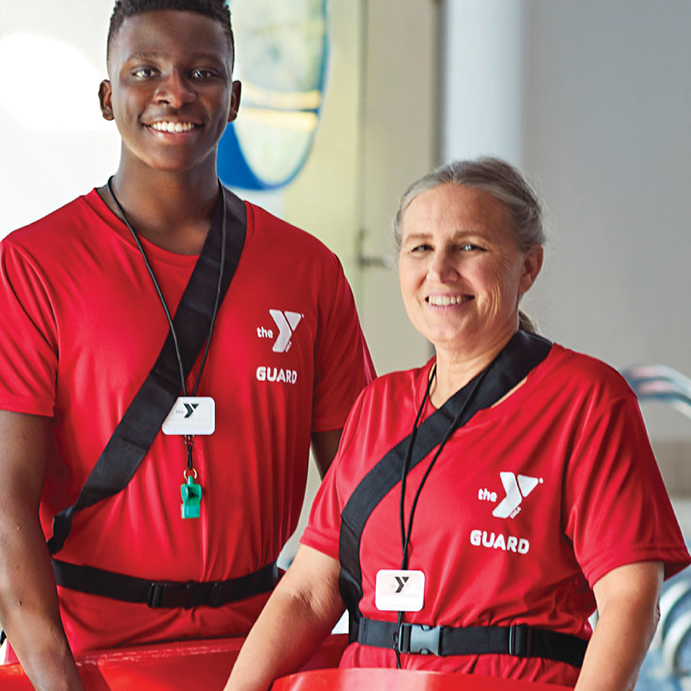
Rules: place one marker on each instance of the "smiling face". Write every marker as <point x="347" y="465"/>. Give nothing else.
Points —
<point x="170" y="90"/>
<point x="461" y="271"/>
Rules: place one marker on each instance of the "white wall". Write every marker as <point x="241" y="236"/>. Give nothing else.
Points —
<point x="605" y="133"/>
<point x="607" y="113"/>
<point x="54" y="144"/>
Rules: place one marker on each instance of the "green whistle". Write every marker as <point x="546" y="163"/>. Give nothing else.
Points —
<point x="191" y="498"/>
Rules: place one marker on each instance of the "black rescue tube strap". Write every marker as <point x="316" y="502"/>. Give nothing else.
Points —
<point x="519" y="640"/>
<point x="142" y="421"/>
<point x="518" y="358"/>
<point x="157" y="594"/>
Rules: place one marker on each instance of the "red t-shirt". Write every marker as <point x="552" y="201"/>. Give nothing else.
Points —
<point x="528" y="505"/>
<point x="81" y="328"/>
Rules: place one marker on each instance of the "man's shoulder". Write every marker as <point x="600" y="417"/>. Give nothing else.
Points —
<point x="55" y="226"/>
<point x="268" y="227"/>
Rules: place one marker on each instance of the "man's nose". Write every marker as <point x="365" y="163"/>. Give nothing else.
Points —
<point x="176" y="88"/>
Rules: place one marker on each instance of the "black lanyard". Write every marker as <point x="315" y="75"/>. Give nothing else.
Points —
<point x="160" y="293"/>
<point x="188" y="439"/>
<point x="141" y="422"/>
<point x="453" y="426"/>
<point x="521" y="354"/>
<point x="405" y="535"/>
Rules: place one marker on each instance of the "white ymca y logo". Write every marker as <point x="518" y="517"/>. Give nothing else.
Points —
<point x="516" y="488"/>
<point x="287" y="323"/>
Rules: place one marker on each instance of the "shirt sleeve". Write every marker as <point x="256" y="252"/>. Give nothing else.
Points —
<point x="343" y="366"/>
<point x="617" y="508"/>
<point x="28" y="340"/>
<point x="324" y="525"/>
<point x="323" y="528"/>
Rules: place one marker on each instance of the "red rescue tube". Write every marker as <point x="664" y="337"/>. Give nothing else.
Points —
<point x="177" y="666"/>
<point x="402" y="680"/>
<point x="185" y="665"/>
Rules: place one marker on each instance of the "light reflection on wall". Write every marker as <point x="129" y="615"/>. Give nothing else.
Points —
<point x="51" y="86"/>
<point x="54" y="145"/>
<point x="281" y="127"/>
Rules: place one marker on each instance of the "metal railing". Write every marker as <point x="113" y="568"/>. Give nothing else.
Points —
<point x="671" y="646"/>
<point x="661" y="383"/>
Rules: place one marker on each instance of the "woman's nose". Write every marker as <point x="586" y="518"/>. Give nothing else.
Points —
<point x="442" y="266"/>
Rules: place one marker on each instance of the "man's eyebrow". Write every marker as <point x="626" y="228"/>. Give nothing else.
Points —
<point x="146" y="55"/>
<point x="209" y="55"/>
<point x="159" y="55"/>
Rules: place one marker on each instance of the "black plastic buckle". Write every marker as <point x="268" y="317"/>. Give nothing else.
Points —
<point x="419" y="639"/>
<point x="520" y="640"/>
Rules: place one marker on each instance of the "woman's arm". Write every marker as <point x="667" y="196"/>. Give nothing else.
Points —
<point x="627" y="602"/>
<point x="299" y="615"/>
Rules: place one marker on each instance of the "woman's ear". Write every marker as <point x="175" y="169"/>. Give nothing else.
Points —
<point x="531" y="267"/>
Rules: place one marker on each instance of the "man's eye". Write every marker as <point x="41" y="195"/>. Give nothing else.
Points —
<point x="144" y="73"/>
<point x="203" y="74"/>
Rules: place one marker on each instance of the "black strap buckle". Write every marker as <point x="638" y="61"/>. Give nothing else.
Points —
<point x="520" y="640"/>
<point x="419" y="639"/>
<point x="185" y="595"/>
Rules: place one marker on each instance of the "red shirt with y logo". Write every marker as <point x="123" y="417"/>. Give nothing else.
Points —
<point x="81" y="328"/>
<point x="527" y="506"/>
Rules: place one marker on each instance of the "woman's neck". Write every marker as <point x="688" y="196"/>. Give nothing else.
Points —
<point x="455" y="369"/>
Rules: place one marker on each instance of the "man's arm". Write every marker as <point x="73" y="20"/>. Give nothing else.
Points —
<point x="324" y="447"/>
<point x="28" y="598"/>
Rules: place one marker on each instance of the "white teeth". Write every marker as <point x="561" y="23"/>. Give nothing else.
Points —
<point x="445" y="300"/>
<point x="172" y="127"/>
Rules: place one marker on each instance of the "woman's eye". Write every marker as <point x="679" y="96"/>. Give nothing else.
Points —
<point x="421" y="248"/>
<point x="469" y="247"/>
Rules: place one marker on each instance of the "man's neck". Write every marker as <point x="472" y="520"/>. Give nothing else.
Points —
<point x="172" y="211"/>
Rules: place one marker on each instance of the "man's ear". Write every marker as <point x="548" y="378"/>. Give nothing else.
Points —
<point x="235" y="89"/>
<point x="105" y="93"/>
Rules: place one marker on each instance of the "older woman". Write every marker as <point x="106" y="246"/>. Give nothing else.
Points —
<point x="482" y="506"/>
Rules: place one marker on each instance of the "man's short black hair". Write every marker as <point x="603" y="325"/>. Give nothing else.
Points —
<point x="214" y="9"/>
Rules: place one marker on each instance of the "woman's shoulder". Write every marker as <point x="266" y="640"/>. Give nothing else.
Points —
<point x="398" y="382"/>
<point x="397" y="390"/>
<point x="572" y="369"/>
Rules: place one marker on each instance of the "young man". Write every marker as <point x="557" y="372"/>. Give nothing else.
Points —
<point x="86" y="296"/>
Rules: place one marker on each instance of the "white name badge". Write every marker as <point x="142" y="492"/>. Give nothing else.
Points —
<point x="399" y="591"/>
<point x="191" y="415"/>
